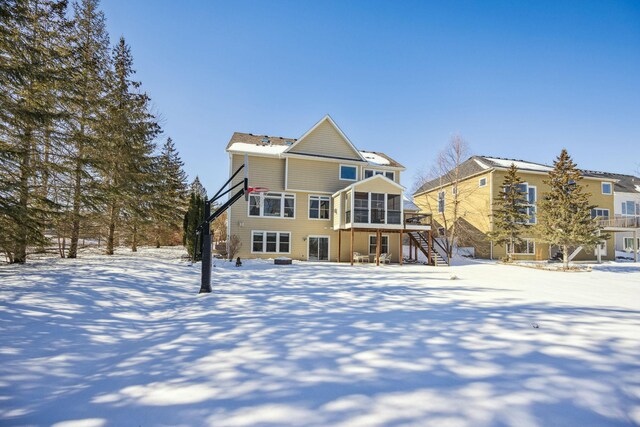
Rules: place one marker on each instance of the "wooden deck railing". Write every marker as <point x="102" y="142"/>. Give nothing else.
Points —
<point x="411" y="218"/>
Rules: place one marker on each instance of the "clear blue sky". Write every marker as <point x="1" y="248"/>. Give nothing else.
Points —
<point x="515" y="79"/>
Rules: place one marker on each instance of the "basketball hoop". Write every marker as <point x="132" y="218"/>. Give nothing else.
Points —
<point x="258" y="191"/>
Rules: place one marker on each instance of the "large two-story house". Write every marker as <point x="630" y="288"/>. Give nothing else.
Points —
<point x="473" y="192"/>
<point x="326" y="201"/>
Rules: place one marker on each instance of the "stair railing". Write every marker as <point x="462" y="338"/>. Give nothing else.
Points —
<point x="440" y="250"/>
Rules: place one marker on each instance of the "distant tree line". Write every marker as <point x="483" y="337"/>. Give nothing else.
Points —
<point x="78" y="139"/>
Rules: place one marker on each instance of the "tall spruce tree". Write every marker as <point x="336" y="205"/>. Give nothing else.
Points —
<point x="32" y="70"/>
<point x="510" y="216"/>
<point x="85" y="104"/>
<point x="564" y="217"/>
<point x="193" y="218"/>
<point x="127" y="165"/>
<point x="171" y="198"/>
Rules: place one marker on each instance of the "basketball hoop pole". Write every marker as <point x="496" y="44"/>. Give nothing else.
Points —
<point x="205" y="227"/>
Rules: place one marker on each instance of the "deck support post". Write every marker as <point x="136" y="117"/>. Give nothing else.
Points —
<point x="400" y="252"/>
<point x="351" y="251"/>
<point x="635" y="245"/>
<point x="410" y="249"/>
<point x="378" y="238"/>
<point x="339" y="243"/>
<point x="599" y="250"/>
<point x="429" y="237"/>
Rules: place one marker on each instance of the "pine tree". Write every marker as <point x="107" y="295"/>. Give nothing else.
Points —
<point x="564" y="217"/>
<point x="85" y="104"/>
<point x="192" y="219"/>
<point x="197" y="187"/>
<point x="171" y="198"/>
<point x="32" y="71"/>
<point x="127" y="165"/>
<point x="510" y="215"/>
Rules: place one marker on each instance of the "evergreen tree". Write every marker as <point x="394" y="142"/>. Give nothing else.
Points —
<point x="85" y="104"/>
<point x="564" y="217"/>
<point x="32" y="71"/>
<point x="510" y="215"/>
<point x="197" y="187"/>
<point x="171" y="198"/>
<point x="127" y="165"/>
<point x="192" y="219"/>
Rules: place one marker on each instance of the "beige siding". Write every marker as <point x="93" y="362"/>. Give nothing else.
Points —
<point x="314" y="175"/>
<point x="377" y="186"/>
<point x="476" y="210"/>
<point x="325" y="140"/>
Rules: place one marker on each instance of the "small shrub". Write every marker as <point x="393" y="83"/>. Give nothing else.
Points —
<point x="234" y="247"/>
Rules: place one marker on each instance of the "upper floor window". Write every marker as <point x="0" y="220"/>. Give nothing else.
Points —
<point x="319" y="207"/>
<point x="600" y="213"/>
<point x="273" y="205"/>
<point x="527" y="199"/>
<point x="630" y="208"/>
<point x="482" y="182"/>
<point x="348" y="173"/>
<point x="441" y="196"/>
<point x="606" y="188"/>
<point x="368" y="173"/>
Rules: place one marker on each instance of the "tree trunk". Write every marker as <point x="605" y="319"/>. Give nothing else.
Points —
<point x="75" y="222"/>
<point x="134" y="239"/>
<point x="112" y="230"/>
<point x="565" y="257"/>
<point x="20" y="252"/>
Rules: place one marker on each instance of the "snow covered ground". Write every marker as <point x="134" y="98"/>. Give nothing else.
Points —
<point x="127" y="341"/>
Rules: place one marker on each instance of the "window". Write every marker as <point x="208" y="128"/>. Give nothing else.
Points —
<point x="529" y="197"/>
<point x="454" y="190"/>
<point x="348" y="173"/>
<point x="273" y="205"/>
<point x="393" y="208"/>
<point x="361" y="207"/>
<point x="526" y="247"/>
<point x="628" y="244"/>
<point x="368" y="173"/>
<point x="606" y="188"/>
<point x="270" y="242"/>
<point x="319" y="207"/>
<point x="600" y="213"/>
<point x="384" y="244"/>
<point x="482" y="182"/>
<point x="630" y="208"/>
<point x="441" y="202"/>
<point x="377" y="208"/>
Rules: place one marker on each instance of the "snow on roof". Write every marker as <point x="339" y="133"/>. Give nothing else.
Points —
<point x="375" y="159"/>
<point x="482" y="165"/>
<point x="506" y="163"/>
<point x="257" y="148"/>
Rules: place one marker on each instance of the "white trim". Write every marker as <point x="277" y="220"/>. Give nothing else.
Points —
<point x="286" y="173"/>
<point x="320" y="196"/>
<point x="336" y="127"/>
<point x="610" y="193"/>
<point x="317" y="236"/>
<point x="310" y="191"/>
<point x="347" y="166"/>
<point x="282" y="198"/>
<point x="318" y="158"/>
<point x="264" y="241"/>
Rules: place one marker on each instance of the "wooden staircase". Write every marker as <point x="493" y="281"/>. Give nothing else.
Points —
<point x="434" y="252"/>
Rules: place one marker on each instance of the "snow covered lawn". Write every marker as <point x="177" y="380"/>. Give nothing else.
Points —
<point x="127" y="341"/>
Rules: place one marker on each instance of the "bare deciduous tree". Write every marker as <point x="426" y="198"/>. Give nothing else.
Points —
<point x="234" y="246"/>
<point x="446" y="170"/>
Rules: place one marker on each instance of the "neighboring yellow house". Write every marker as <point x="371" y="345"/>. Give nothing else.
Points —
<point x="479" y="181"/>
<point x="326" y="199"/>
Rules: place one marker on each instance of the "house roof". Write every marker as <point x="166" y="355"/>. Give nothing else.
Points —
<point x="622" y="183"/>
<point x="364" y="181"/>
<point x="477" y="164"/>
<point x="276" y="145"/>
